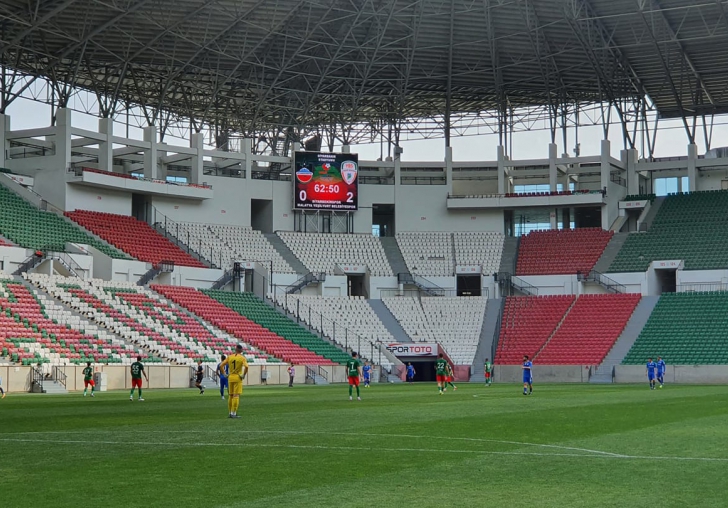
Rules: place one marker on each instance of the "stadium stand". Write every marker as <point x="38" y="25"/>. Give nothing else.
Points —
<point x="454" y="322"/>
<point x="34" y="330"/>
<point x="482" y="249"/>
<point x="691" y="227"/>
<point x="322" y="252"/>
<point x="561" y="252"/>
<point x="685" y="329"/>
<point x="27" y="226"/>
<point x="353" y="318"/>
<point x="589" y="330"/>
<point x="428" y="253"/>
<point x="134" y="237"/>
<point x="5" y="243"/>
<point x="226" y="315"/>
<point x="527" y="323"/>
<point x="139" y="316"/>
<point x="234" y="243"/>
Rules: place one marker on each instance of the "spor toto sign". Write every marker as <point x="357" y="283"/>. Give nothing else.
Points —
<point x="399" y="349"/>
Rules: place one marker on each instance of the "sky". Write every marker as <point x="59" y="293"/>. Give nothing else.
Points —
<point x="671" y="139"/>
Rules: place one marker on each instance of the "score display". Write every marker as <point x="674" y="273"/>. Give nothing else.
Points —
<point x="326" y="181"/>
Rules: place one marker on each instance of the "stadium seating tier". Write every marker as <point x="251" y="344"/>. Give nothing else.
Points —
<point x="561" y="252"/>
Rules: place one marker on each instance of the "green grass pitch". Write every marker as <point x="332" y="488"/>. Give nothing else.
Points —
<point x="621" y="446"/>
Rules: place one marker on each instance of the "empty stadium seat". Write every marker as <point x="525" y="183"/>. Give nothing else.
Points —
<point x="323" y="252"/>
<point x="27" y="226"/>
<point x="134" y="237"/>
<point x="561" y="252"/>
<point x="685" y="329"/>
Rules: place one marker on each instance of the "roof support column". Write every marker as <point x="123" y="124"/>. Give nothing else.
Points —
<point x="247" y="146"/>
<point x="501" y="170"/>
<point x="63" y="137"/>
<point x="692" y="167"/>
<point x="605" y="170"/>
<point x="106" y="147"/>
<point x="4" y="129"/>
<point x="633" y="177"/>
<point x="150" y="154"/>
<point x="197" y="140"/>
<point x="448" y="169"/>
<point x="553" y="174"/>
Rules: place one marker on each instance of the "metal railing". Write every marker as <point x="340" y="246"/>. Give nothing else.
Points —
<point x="702" y="287"/>
<point x="37" y="379"/>
<point x="610" y="285"/>
<point x="523" y="286"/>
<point x="59" y="375"/>
<point x="336" y="333"/>
<point x="424" y="284"/>
<point x="187" y="241"/>
<point x="309" y="278"/>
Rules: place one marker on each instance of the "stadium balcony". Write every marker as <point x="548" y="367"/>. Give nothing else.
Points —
<point x="29" y="227"/>
<point x="561" y="252"/>
<point x="685" y="329"/>
<point x="139" y="316"/>
<point x="34" y="330"/>
<point x="690" y="227"/>
<point x="90" y="177"/>
<point x="349" y="321"/>
<point x="589" y="330"/>
<point x="231" y="312"/>
<point x="234" y="243"/>
<point x="527" y="323"/>
<point x="323" y="252"/>
<point x="455" y="323"/>
<point x="134" y="237"/>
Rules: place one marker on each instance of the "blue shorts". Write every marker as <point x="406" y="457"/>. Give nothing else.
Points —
<point x="651" y="376"/>
<point x="660" y="374"/>
<point x="223" y="381"/>
<point x="528" y="379"/>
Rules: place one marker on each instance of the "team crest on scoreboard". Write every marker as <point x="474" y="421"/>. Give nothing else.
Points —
<point x="304" y="175"/>
<point x="349" y="171"/>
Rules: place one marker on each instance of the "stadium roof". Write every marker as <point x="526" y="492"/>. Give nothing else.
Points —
<point x="253" y="65"/>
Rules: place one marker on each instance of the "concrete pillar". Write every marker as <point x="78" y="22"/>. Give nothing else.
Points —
<point x="633" y="177"/>
<point x="501" y="170"/>
<point x="345" y="149"/>
<point x="247" y="146"/>
<point x="605" y="170"/>
<point x="106" y="150"/>
<point x="448" y="169"/>
<point x="150" y="154"/>
<point x="552" y="218"/>
<point x="692" y="168"/>
<point x="197" y="140"/>
<point x="63" y="137"/>
<point x="553" y="173"/>
<point x="4" y="145"/>
<point x="397" y="173"/>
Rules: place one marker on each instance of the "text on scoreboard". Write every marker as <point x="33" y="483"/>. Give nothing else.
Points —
<point x="326" y="181"/>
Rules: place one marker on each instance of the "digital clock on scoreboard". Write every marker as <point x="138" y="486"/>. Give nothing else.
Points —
<point x="326" y="181"/>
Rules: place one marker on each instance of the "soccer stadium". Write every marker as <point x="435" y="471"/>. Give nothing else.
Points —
<point x="357" y="253"/>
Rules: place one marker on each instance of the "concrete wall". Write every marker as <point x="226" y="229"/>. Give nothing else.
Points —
<point x="79" y="197"/>
<point x="118" y="377"/>
<point x="543" y="374"/>
<point x="678" y="374"/>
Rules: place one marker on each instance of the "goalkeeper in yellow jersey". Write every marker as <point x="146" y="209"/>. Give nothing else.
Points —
<point x="238" y="368"/>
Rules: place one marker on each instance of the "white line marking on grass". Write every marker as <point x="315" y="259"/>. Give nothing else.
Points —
<point x="355" y="448"/>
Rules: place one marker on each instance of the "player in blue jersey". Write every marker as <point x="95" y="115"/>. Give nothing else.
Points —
<point x="661" y="370"/>
<point x="367" y="371"/>
<point x="222" y="375"/>
<point x="651" y="368"/>
<point x="527" y="375"/>
<point x="410" y="373"/>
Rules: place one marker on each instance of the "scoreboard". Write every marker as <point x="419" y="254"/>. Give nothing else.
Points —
<point x="326" y="181"/>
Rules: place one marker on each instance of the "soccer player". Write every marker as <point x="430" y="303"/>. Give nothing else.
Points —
<point x="410" y="373"/>
<point x="137" y="369"/>
<point x="441" y="372"/>
<point x="661" y="370"/>
<point x="527" y="375"/>
<point x="651" y="367"/>
<point x="353" y="368"/>
<point x="88" y="379"/>
<point x="450" y="376"/>
<point x="199" y="374"/>
<point x="367" y="371"/>
<point x="237" y="367"/>
<point x="222" y="374"/>
<point x="488" y="369"/>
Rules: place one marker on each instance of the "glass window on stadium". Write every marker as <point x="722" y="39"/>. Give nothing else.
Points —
<point x="539" y="219"/>
<point x="665" y="186"/>
<point x="541" y="187"/>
